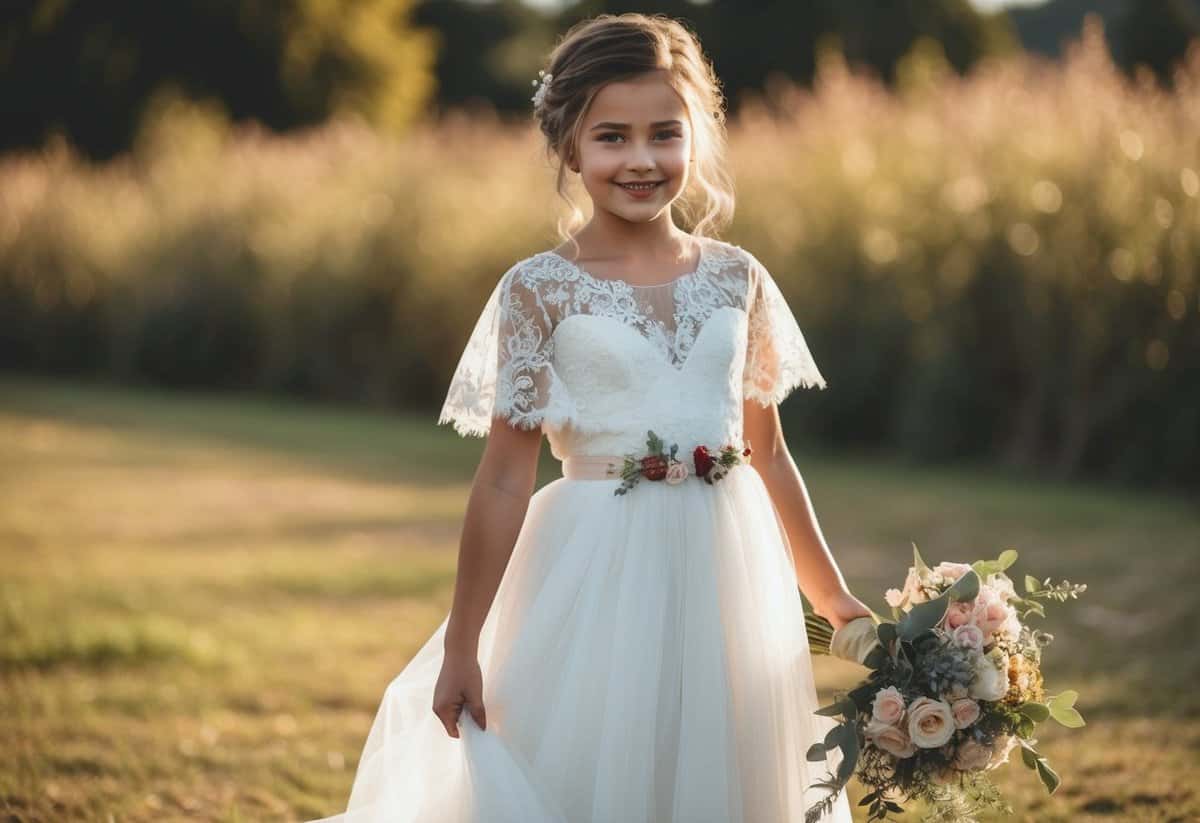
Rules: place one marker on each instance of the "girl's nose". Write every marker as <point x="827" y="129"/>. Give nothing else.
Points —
<point x="640" y="157"/>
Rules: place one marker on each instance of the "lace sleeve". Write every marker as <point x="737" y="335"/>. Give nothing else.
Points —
<point x="506" y="370"/>
<point x="777" y="356"/>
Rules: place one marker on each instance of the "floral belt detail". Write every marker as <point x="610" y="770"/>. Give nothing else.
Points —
<point x="657" y="464"/>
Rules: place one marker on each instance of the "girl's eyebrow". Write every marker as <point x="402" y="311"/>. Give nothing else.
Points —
<point x="622" y="126"/>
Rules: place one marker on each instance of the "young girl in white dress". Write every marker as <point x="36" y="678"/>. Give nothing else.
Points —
<point x="627" y="644"/>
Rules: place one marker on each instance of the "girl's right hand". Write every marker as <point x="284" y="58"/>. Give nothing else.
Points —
<point x="459" y="685"/>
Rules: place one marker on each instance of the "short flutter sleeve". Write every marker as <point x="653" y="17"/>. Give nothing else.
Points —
<point x="506" y="369"/>
<point x="777" y="356"/>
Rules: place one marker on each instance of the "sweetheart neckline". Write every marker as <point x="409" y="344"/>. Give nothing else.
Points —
<point x="677" y="368"/>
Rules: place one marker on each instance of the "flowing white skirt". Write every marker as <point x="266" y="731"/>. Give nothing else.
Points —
<point x="644" y="661"/>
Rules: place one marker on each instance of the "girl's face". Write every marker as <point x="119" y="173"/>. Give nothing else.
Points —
<point x="636" y="131"/>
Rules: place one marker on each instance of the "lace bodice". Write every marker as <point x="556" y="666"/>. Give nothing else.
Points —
<point x="596" y="362"/>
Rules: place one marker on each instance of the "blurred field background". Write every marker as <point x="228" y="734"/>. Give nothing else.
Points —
<point x="229" y="312"/>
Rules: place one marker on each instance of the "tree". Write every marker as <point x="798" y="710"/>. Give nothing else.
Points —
<point x="88" y="69"/>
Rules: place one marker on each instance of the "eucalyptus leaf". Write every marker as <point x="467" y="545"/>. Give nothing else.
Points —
<point x="1031" y="584"/>
<point x="1067" y="716"/>
<point x="1025" y="726"/>
<point x="1064" y="699"/>
<point x="1049" y="777"/>
<point x="886" y="632"/>
<point x="966" y="587"/>
<point x="923" y="617"/>
<point x="985" y="567"/>
<point x="1007" y="558"/>
<point x="832" y="710"/>
<point x="876" y="658"/>
<point x="1029" y="757"/>
<point x="918" y="563"/>
<point x="1037" y="712"/>
<point x="849" y="755"/>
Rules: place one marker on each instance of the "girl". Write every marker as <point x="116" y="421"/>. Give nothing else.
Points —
<point x="627" y="645"/>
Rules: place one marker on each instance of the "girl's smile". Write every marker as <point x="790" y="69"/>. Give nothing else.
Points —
<point x="634" y="149"/>
<point x="642" y="191"/>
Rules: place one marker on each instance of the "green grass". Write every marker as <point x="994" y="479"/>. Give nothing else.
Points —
<point x="204" y="597"/>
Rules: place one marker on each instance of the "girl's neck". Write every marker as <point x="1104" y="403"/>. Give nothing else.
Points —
<point x="615" y="239"/>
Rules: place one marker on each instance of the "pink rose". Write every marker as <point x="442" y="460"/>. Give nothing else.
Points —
<point x="958" y="613"/>
<point x="951" y="571"/>
<point x="677" y="472"/>
<point x="930" y="722"/>
<point x="990" y="611"/>
<point x="965" y="711"/>
<point x="972" y="755"/>
<point x="968" y="636"/>
<point x="888" y="706"/>
<point x="892" y="739"/>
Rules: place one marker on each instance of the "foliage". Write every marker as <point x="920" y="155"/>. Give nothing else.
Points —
<point x="89" y="71"/>
<point x="974" y="674"/>
<point x="996" y="267"/>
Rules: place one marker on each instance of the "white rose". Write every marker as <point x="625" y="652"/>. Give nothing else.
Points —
<point x="1012" y="624"/>
<point x="888" y="706"/>
<point x="930" y="722"/>
<point x="894" y="598"/>
<point x="1003" y="585"/>
<point x="972" y="755"/>
<point x="990" y="682"/>
<point x="892" y="739"/>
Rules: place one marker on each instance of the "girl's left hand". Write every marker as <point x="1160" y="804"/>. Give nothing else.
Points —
<point x="842" y="608"/>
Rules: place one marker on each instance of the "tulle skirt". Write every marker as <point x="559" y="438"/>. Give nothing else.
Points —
<point x="644" y="661"/>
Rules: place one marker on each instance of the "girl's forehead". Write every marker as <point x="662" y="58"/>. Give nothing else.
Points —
<point x="644" y="99"/>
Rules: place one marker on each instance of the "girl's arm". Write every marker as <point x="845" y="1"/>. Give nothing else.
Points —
<point x="496" y="509"/>
<point x="817" y="573"/>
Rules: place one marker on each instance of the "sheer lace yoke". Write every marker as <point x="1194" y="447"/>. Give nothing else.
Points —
<point x="556" y="346"/>
<point x="667" y="315"/>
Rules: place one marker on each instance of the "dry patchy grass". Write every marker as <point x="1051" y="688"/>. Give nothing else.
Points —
<point x="204" y="598"/>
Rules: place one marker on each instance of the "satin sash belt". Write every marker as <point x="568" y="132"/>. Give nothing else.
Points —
<point x="592" y="466"/>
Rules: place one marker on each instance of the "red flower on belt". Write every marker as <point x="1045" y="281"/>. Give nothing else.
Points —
<point x="657" y="464"/>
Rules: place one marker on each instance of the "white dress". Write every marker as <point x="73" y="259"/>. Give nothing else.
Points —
<point x="645" y="658"/>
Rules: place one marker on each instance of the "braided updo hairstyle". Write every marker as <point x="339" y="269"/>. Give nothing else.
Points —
<point x="609" y="48"/>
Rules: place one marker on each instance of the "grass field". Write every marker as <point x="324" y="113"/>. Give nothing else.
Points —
<point x="202" y="599"/>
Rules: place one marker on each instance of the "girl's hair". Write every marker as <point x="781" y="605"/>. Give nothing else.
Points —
<point x="608" y="48"/>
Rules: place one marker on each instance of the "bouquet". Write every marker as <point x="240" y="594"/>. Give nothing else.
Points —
<point x="955" y="685"/>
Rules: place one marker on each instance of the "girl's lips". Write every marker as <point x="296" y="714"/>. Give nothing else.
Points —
<point x="640" y="193"/>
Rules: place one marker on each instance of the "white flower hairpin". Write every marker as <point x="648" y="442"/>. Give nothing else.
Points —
<point x="542" y="84"/>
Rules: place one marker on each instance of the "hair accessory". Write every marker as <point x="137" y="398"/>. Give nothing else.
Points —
<point x="542" y="84"/>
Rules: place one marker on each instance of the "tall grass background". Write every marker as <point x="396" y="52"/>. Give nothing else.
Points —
<point x="997" y="267"/>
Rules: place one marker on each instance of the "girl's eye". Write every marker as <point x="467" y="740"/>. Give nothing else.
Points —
<point x="668" y="133"/>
